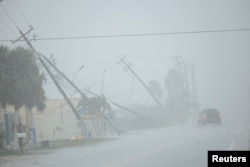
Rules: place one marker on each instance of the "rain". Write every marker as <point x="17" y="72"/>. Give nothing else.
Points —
<point x="127" y="82"/>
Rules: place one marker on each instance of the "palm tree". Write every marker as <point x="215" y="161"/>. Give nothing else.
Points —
<point x="94" y="106"/>
<point x="177" y="101"/>
<point x="28" y="86"/>
<point x="155" y="88"/>
<point x="22" y="86"/>
<point x="4" y="76"/>
<point x="5" y="80"/>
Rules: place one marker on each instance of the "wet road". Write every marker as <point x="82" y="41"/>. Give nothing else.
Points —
<point x="181" y="145"/>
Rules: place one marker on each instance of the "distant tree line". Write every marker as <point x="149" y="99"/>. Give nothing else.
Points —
<point x="177" y="100"/>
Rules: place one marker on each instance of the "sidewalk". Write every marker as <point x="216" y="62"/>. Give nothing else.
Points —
<point x="51" y="146"/>
<point x="10" y="158"/>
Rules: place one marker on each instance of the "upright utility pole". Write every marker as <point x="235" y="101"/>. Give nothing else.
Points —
<point x="194" y="85"/>
<point x="104" y="71"/>
<point x="145" y="86"/>
<point x="39" y="56"/>
<point x="61" y="114"/>
<point x="178" y="63"/>
<point x="186" y="80"/>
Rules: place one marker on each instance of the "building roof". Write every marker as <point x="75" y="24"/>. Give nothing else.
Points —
<point x="52" y="105"/>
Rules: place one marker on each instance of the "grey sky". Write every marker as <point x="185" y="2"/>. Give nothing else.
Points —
<point x="222" y="59"/>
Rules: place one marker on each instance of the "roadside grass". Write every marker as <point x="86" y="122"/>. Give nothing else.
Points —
<point x="54" y="145"/>
<point x="74" y="143"/>
<point x="6" y="153"/>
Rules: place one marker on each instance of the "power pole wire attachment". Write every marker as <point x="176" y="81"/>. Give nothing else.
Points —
<point x="40" y="58"/>
<point x="18" y="39"/>
<point x="145" y="86"/>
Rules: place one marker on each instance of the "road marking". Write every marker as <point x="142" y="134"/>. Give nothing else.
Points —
<point x="231" y="146"/>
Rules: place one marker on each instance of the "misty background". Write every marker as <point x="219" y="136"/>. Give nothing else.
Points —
<point x="221" y="58"/>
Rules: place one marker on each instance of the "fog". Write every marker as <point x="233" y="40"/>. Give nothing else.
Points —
<point x="213" y="35"/>
<point x="221" y="58"/>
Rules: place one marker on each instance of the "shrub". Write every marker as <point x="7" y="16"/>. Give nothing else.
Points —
<point x="1" y="139"/>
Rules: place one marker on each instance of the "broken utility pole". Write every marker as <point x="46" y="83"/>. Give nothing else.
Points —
<point x="145" y="86"/>
<point x="39" y="57"/>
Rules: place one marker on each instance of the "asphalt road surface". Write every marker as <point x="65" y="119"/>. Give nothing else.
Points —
<point x="177" y="146"/>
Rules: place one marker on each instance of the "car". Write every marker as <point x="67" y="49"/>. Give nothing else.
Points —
<point x="209" y="116"/>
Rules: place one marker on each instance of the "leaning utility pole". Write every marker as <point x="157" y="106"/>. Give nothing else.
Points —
<point x="145" y="86"/>
<point x="39" y="57"/>
<point x="64" y="76"/>
<point x="86" y="90"/>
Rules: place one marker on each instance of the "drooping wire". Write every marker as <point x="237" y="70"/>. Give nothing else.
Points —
<point x="6" y="13"/>
<point x="68" y="88"/>
<point x="21" y="12"/>
<point x="9" y="28"/>
<point x="4" y="33"/>
<point x="27" y="21"/>
<point x="140" y="34"/>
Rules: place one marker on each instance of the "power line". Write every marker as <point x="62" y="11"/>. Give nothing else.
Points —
<point x="6" y="13"/>
<point x="141" y="34"/>
<point x="20" y="11"/>
<point x="27" y="21"/>
<point x="8" y="28"/>
<point x="4" y="33"/>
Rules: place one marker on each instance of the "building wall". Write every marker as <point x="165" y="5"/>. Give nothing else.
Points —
<point x="56" y="122"/>
<point x="64" y="125"/>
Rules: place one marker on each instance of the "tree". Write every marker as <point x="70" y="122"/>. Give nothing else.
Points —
<point x="94" y="104"/>
<point x="5" y="77"/>
<point x="177" y="100"/>
<point x="174" y="84"/>
<point x="27" y="89"/>
<point x="155" y="88"/>
<point x="20" y="80"/>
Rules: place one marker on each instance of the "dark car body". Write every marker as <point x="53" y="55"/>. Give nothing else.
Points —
<point x="209" y="116"/>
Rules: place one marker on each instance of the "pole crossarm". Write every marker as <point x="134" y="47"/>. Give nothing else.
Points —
<point x="145" y="86"/>
<point x="18" y="39"/>
<point x="40" y="57"/>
